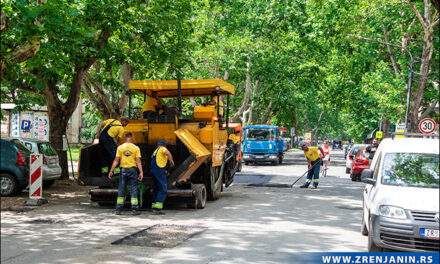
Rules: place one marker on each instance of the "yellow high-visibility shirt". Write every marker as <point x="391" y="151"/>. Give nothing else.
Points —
<point x="312" y="153"/>
<point x="150" y="104"/>
<point x="234" y="138"/>
<point x="116" y="130"/>
<point x="128" y="152"/>
<point x="220" y="110"/>
<point x="161" y="157"/>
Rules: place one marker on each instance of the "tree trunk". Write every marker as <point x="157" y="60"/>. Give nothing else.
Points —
<point x="428" y="49"/>
<point x="58" y="125"/>
<point x="386" y="128"/>
<point x="60" y="113"/>
<point x="247" y="94"/>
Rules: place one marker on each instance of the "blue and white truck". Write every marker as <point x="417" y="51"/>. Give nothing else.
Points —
<point x="262" y="143"/>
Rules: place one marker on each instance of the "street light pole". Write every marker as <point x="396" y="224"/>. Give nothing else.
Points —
<point x="408" y="96"/>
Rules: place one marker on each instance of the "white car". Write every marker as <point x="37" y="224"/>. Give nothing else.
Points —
<point x="401" y="196"/>
<point x="351" y="155"/>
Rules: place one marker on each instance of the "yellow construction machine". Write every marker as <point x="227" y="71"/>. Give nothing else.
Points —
<point x="204" y="157"/>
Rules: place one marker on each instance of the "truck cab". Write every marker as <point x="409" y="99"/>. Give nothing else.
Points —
<point x="262" y="143"/>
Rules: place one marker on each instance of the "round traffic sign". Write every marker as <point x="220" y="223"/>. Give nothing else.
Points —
<point x="427" y="126"/>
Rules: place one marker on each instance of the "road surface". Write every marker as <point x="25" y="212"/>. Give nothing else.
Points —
<point x="256" y="220"/>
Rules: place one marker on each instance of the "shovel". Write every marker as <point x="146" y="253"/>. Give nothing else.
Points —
<point x="291" y="185"/>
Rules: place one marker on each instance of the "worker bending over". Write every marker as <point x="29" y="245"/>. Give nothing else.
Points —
<point x="314" y="161"/>
<point x="109" y="138"/>
<point x="159" y="161"/>
<point x="130" y="156"/>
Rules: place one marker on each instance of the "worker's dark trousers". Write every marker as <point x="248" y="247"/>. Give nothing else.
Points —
<point x="159" y="185"/>
<point x="108" y="151"/>
<point x="128" y="175"/>
<point x="313" y="173"/>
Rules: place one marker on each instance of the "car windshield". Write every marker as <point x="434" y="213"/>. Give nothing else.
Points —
<point x="411" y="170"/>
<point x="20" y="146"/>
<point x="355" y="150"/>
<point x="47" y="149"/>
<point x="260" y="134"/>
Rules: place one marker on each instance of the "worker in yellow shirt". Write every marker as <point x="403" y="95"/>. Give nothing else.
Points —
<point x="109" y="138"/>
<point x="130" y="157"/>
<point x="235" y="137"/>
<point x="314" y="162"/>
<point x="151" y="106"/>
<point x="217" y="101"/>
<point x="159" y="161"/>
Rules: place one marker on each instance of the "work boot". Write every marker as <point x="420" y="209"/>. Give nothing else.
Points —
<point x="303" y="186"/>
<point x="157" y="212"/>
<point x="117" y="211"/>
<point x="135" y="212"/>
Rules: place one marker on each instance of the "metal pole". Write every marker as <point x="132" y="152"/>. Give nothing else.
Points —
<point x="129" y="104"/>
<point x="408" y="96"/>
<point x="227" y="111"/>
<point x="179" y="91"/>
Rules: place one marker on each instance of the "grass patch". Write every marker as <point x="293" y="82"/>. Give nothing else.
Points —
<point x="75" y="154"/>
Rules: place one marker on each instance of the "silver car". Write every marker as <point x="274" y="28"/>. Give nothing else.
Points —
<point x="51" y="167"/>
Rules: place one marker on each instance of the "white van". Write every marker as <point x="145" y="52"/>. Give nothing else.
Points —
<point x="401" y="196"/>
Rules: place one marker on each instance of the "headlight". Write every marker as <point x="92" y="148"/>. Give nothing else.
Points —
<point x="392" y="211"/>
<point x="246" y="156"/>
<point x="272" y="157"/>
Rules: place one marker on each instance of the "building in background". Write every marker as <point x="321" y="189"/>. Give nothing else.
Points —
<point x="35" y="123"/>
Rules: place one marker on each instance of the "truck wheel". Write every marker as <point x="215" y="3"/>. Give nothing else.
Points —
<point x="8" y="183"/>
<point x="372" y="247"/>
<point x="246" y="163"/>
<point x="240" y="165"/>
<point x="214" y="194"/>
<point x="200" y="196"/>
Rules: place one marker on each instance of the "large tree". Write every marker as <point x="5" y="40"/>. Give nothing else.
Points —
<point x="73" y="36"/>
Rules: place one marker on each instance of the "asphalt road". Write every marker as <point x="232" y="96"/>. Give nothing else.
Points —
<point x="256" y="220"/>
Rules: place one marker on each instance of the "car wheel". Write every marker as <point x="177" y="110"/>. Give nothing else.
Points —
<point x="49" y="183"/>
<point x="372" y="247"/>
<point x="353" y="178"/>
<point x="364" y="229"/>
<point x="8" y="183"/>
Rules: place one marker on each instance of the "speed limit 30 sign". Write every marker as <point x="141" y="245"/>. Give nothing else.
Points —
<point x="427" y="126"/>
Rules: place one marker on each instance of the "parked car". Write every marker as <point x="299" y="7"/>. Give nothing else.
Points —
<point x="51" y="166"/>
<point x="351" y="154"/>
<point x="401" y="196"/>
<point x="360" y="163"/>
<point x="14" y="175"/>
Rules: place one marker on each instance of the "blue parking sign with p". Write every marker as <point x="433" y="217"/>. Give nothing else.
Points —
<point x="25" y="125"/>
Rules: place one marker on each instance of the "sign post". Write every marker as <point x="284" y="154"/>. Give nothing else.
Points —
<point x="36" y="181"/>
<point x="427" y="126"/>
<point x="379" y="134"/>
<point x="400" y="128"/>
